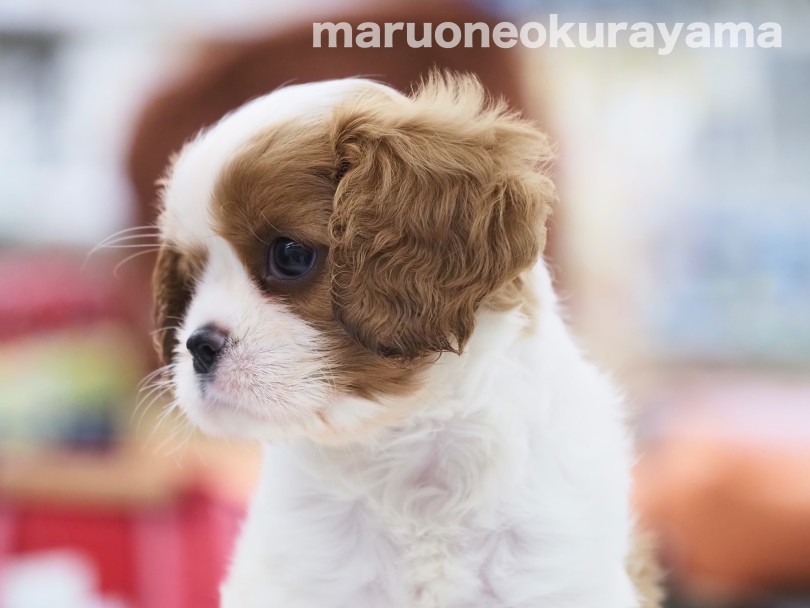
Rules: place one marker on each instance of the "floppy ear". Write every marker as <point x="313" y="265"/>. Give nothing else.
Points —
<point x="171" y="288"/>
<point x="442" y="201"/>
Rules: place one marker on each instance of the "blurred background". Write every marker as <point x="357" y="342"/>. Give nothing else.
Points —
<point x="681" y="248"/>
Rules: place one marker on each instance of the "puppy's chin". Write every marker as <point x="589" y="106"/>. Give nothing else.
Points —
<point x="219" y="418"/>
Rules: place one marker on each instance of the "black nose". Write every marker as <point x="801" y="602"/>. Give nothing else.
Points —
<point x="205" y="344"/>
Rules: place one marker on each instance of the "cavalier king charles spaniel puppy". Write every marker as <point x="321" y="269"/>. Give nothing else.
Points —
<point x="353" y="277"/>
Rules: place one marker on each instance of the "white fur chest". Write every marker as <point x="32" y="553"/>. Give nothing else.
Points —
<point x="510" y="490"/>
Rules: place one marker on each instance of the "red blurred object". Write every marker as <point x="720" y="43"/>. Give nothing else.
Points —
<point x="158" y="533"/>
<point x="164" y="558"/>
<point x="52" y="290"/>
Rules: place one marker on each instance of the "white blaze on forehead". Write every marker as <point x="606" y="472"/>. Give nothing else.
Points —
<point x="224" y="295"/>
<point x="186" y="218"/>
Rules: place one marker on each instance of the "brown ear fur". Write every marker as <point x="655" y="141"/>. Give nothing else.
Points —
<point x="172" y="285"/>
<point x="443" y="201"/>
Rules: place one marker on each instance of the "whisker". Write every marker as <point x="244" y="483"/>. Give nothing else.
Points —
<point x="154" y="374"/>
<point x="126" y="245"/>
<point x="157" y="388"/>
<point x="152" y="387"/>
<point x="154" y="396"/>
<point x="165" y="328"/>
<point x="132" y="257"/>
<point x="126" y="237"/>
<point x="134" y="231"/>
<point x="185" y="439"/>
<point x="170" y="411"/>
<point x="160" y="386"/>
<point x="129" y="242"/>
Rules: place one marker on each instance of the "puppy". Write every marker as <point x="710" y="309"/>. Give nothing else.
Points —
<point x="352" y="277"/>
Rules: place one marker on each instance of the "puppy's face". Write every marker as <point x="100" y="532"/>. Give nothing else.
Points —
<point x="323" y="243"/>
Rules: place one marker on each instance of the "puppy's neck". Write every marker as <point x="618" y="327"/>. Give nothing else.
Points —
<point x="463" y="434"/>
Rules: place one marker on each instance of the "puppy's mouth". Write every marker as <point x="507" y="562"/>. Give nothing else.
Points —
<point x="235" y="388"/>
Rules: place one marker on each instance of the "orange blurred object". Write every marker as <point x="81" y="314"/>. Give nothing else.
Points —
<point x="727" y="490"/>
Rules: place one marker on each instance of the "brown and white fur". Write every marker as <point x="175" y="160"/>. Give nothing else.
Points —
<point x="433" y="436"/>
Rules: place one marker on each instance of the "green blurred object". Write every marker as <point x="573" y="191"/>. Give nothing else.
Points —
<point x="68" y="386"/>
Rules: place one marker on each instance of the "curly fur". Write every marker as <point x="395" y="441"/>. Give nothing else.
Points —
<point x="443" y="202"/>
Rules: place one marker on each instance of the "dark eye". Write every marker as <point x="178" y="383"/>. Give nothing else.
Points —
<point x="289" y="259"/>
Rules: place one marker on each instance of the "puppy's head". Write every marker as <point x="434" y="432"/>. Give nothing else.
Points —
<point x="324" y="243"/>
